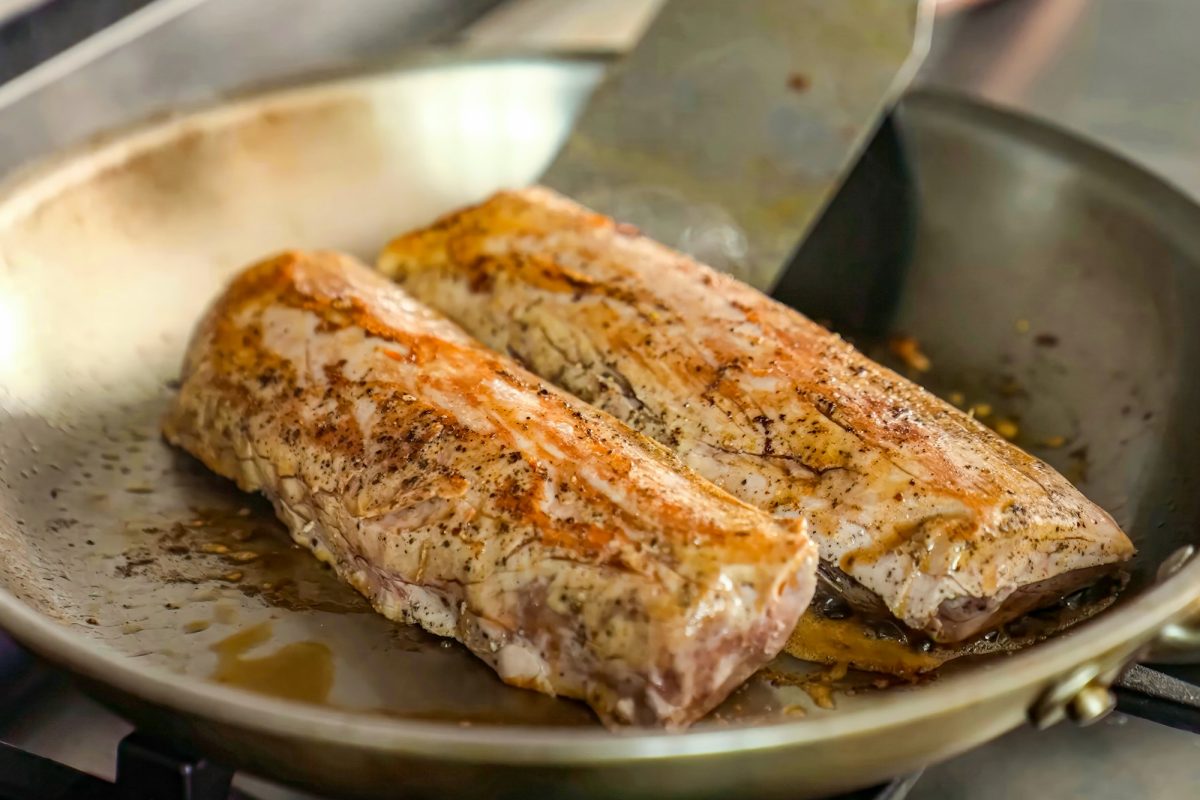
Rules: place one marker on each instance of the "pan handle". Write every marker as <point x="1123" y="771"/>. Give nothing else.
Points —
<point x="1170" y="694"/>
<point x="1087" y="695"/>
<point x="1178" y="642"/>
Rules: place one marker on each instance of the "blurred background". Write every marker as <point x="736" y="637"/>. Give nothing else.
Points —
<point x="1121" y="71"/>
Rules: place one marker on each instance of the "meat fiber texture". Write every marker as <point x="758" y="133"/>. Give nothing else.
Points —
<point x="954" y="529"/>
<point x="458" y="492"/>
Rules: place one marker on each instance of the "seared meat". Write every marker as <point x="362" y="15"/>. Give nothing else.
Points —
<point x="457" y="492"/>
<point x="953" y="528"/>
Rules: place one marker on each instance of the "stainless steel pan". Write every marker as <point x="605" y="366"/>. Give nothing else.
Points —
<point x="1050" y="279"/>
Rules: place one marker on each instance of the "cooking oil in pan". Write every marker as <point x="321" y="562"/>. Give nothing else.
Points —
<point x="297" y="671"/>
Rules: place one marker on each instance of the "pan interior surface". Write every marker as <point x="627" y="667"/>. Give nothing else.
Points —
<point x="1050" y="282"/>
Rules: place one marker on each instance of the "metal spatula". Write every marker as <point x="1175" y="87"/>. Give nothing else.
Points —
<point x="730" y="126"/>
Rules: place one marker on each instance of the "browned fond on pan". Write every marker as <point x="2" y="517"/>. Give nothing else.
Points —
<point x="457" y="491"/>
<point x="954" y="528"/>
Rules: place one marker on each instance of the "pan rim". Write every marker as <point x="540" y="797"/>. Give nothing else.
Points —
<point x="24" y="191"/>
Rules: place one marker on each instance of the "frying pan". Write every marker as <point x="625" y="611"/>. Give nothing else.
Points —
<point x="1049" y="278"/>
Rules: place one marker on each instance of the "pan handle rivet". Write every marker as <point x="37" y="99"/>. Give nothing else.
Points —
<point x="1091" y="704"/>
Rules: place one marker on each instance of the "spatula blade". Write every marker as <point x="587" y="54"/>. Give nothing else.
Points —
<point x="729" y="127"/>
